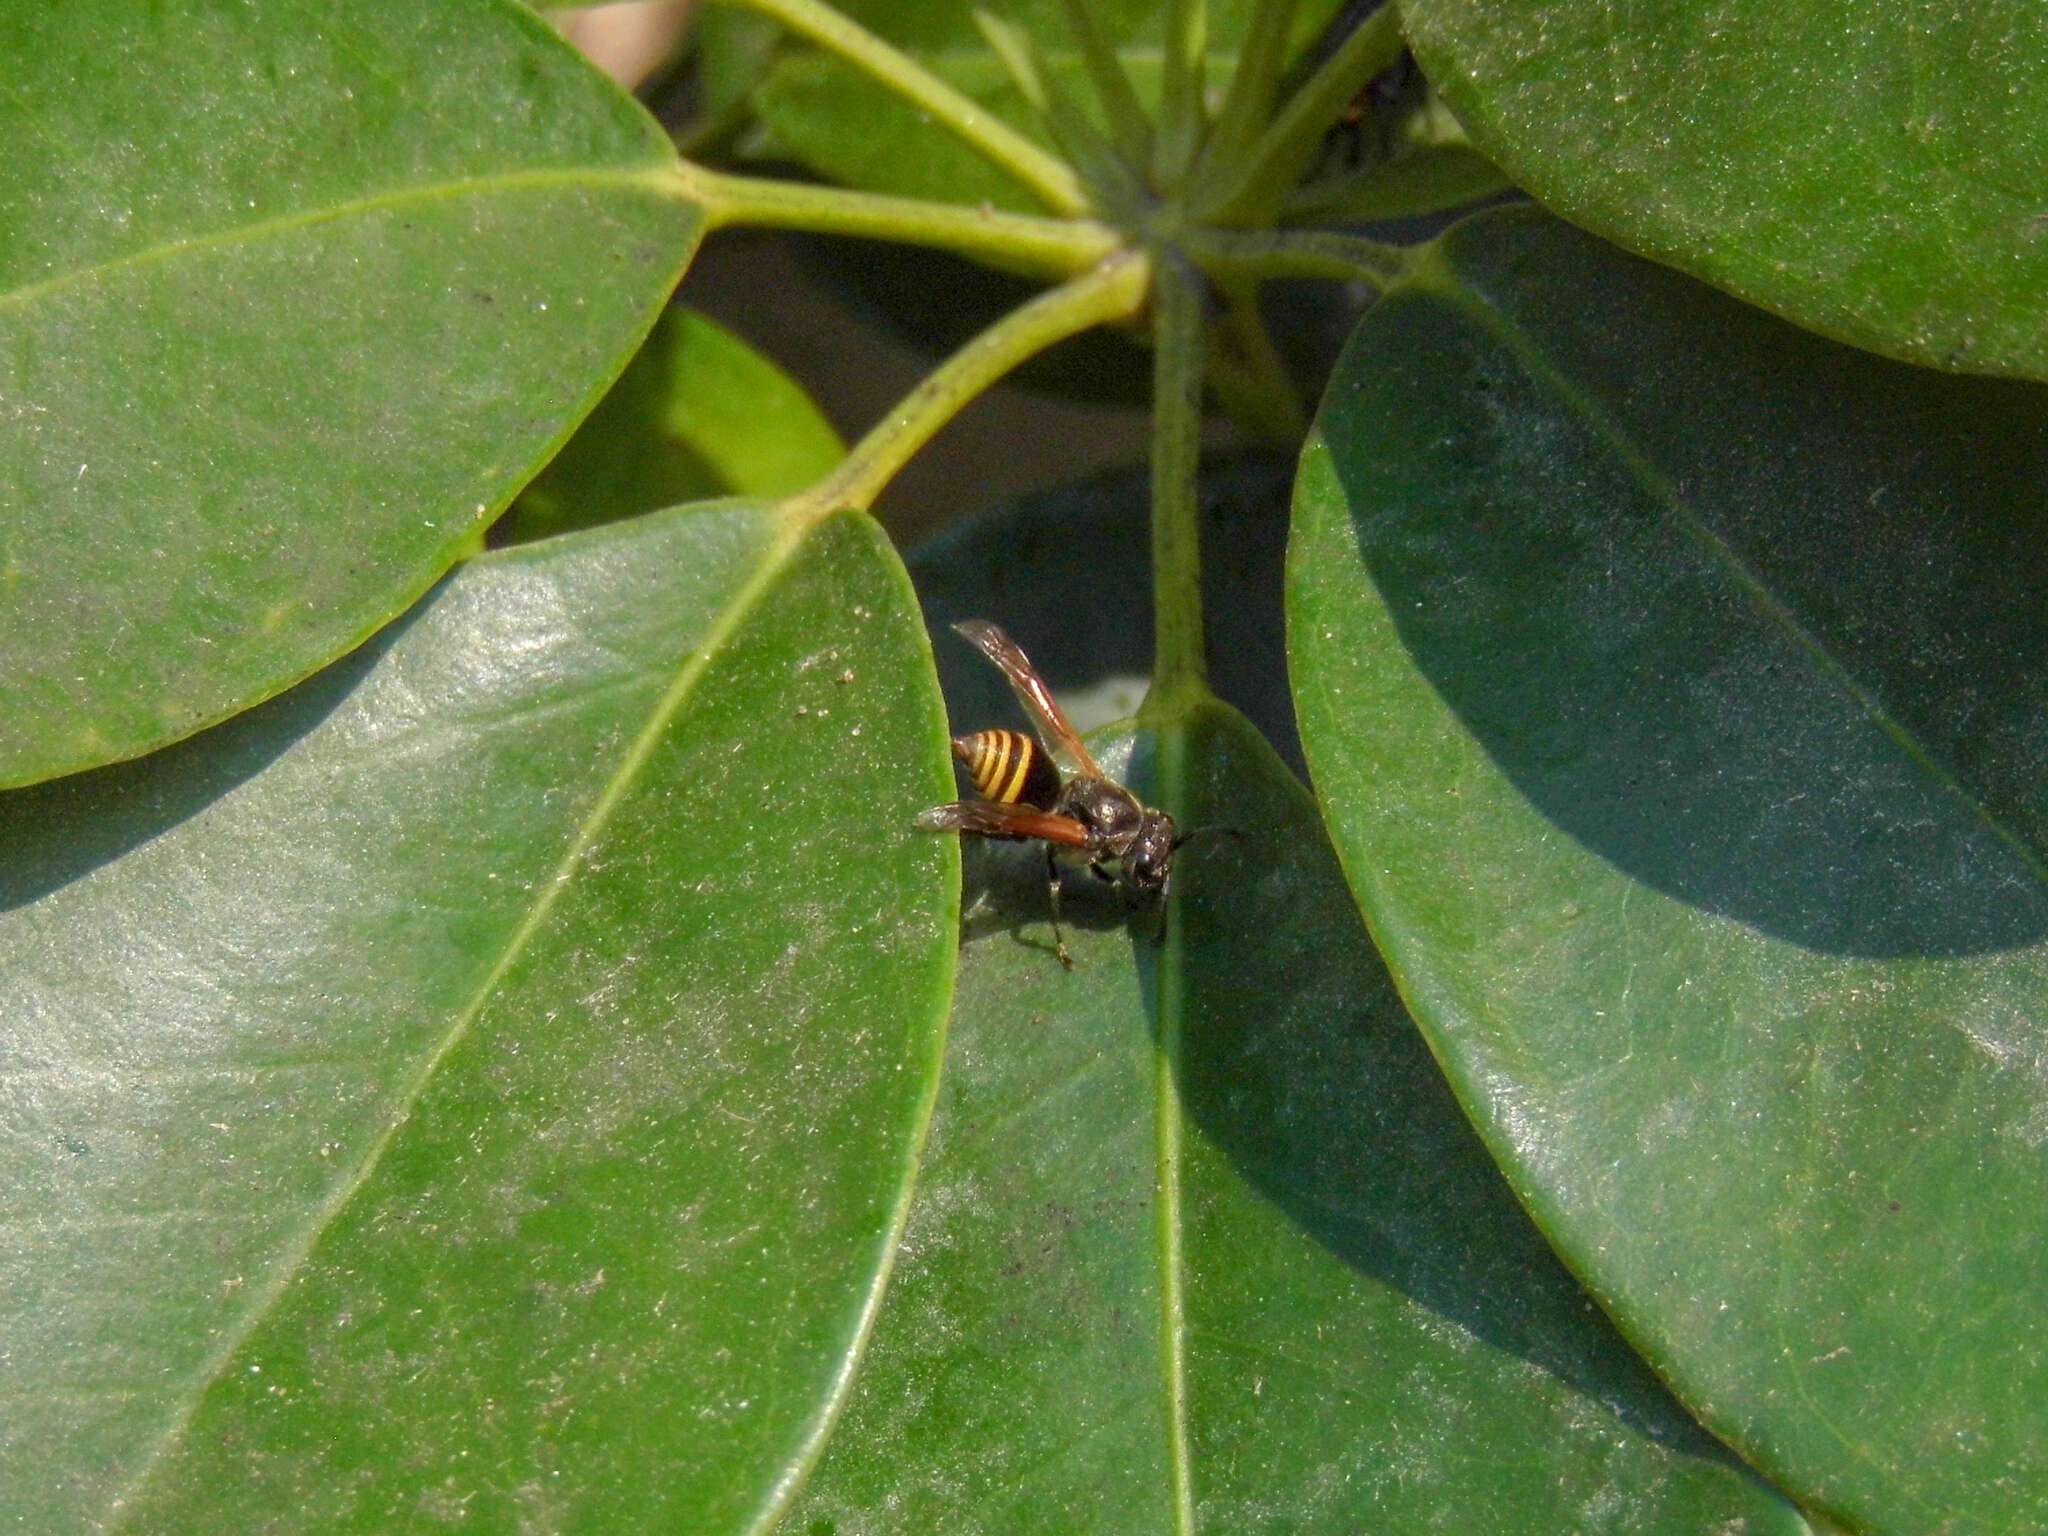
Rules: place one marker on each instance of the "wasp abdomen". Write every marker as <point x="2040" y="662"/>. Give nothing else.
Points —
<point x="1009" y="768"/>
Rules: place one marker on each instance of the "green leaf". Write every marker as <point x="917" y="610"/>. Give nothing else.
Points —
<point x="1673" y="682"/>
<point x="732" y="50"/>
<point x="1872" y="172"/>
<point x="279" y="333"/>
<point x="1282" y="1281"/>
<point x="698" y="413"/>
<point x="484" y="1082"/>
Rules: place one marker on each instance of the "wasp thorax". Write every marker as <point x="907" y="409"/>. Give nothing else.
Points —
<point x="1108" y="809"/>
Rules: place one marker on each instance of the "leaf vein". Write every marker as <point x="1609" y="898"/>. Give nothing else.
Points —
<point x="293" y="1256"/>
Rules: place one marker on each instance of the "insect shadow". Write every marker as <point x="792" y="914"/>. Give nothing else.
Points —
<point x="1002" y="891"/>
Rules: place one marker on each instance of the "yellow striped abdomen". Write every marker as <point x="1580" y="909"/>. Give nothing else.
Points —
<point x="1009" y="768"/>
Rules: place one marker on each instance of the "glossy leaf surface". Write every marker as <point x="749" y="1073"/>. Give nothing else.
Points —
<point x="482" y="1083"/>
<point x="1673" y="681"/>
<point x="281" y="330"/>
<point x="697" y="414"/>
<point x="1339" y="1305"/>
<point x="1870" y="171"/>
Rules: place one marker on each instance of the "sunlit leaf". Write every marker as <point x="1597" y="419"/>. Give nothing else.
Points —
<point x="482" y="1083"/>
<point x="1871" y="171"/>
<point x="292" y="300"/>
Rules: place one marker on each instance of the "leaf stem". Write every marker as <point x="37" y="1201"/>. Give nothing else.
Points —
<point x="1015" y="51"/>
<point x="1053" y="181"/>
<point x="1249" y="101"/>
<point x="1180" y="92"/>
<point x="1264" y="254"/>
<point x="1038" y="247"/>
<point x="1129" y="128"/>
<point x="1260" y="183"/>
<point x="1114" y="290"/>
<point x="1427" y="178"/>
<point x="1179" y="656"/>
<point x="1094" y="159"/>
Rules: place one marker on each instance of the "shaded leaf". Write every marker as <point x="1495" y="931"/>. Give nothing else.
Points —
<point x="1674" y="684"/>
<point x="1872" y="172"/>
<point x="732" y="49"/>
<point x="281" y="332"/>
<point x="893" y="285"/>
<point x="483" y="1082"/>
<point x="698" y="413"/>
<point x="1335" y="1298"/>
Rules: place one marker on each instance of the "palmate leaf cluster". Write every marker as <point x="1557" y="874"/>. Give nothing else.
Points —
<point x="486" y="1045"/>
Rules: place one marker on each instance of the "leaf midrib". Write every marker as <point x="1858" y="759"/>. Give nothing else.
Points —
<point x="1168" y="1116"/>
<point x="660" y="179"/>
<point x="294" y="1254"/>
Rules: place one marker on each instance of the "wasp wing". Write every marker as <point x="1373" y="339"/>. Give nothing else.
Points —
<point x="1054" y="729"/>
<point x="991" y="818"/>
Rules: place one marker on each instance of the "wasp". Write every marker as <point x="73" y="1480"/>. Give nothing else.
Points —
<point x="1052" y="790"/>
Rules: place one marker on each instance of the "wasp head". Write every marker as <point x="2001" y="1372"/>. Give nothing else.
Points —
<point x="1149" y="858"/>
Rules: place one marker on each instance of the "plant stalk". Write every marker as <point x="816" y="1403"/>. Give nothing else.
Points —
<point x="1179" y="654"/>
<point x="1249" y="101"/>
<point x="1180" y="93"/>
<point x="1264" y="254"/>
<point x="1094" y="158"/>
<point x="1277" y="413"/>
<point x="1113" y="290"/>
<point x="1129" y="128"/>
<point x="1022" y="243"/>
<point x="1290" y="140"/>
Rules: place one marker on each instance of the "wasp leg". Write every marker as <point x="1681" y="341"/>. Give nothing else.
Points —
<point x="1158" y="901"/>
<point x="1052" y="891"/>
<point x="1102" y="874"/>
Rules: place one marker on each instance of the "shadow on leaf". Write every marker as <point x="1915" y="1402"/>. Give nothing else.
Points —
<point x="59" y="831"/>
<point x="1299" y="1062"/>
<point x="1757" y="618"/>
